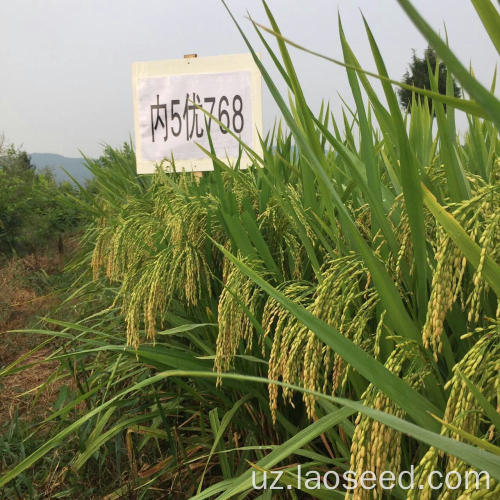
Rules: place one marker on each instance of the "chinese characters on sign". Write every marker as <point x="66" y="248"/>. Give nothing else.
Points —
<point x="169" y="116"/>
<point x="232" y="119"/>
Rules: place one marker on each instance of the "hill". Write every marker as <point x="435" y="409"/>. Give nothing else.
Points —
<point x="75" y="166"/>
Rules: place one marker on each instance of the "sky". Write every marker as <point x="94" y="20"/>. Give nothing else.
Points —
<point x="65" y="80"/>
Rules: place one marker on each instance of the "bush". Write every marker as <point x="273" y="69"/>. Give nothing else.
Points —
<point x="34" y="209"/>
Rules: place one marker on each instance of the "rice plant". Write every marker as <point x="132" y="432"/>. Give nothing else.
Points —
<point x="334" y="306"/>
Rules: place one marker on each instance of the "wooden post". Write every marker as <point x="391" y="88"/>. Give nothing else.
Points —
<point x="197" y="175"/>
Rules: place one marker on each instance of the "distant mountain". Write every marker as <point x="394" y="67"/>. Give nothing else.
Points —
<point x="75" y="166"/>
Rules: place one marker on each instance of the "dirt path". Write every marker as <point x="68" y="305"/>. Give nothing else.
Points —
<point x="22" y="302"/>
<point x="20" y="390"/>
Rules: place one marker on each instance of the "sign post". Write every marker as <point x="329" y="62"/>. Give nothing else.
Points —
<point x="197" y="175"/>
<point x="168" y="123"/>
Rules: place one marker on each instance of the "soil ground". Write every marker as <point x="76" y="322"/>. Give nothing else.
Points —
<point x="26" y="295"/>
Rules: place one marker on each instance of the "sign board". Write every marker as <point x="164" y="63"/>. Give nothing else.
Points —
<point x="168" y="123"/>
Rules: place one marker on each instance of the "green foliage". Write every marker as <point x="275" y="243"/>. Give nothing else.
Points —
<point x="34" y="209"/>
<point x="238" y="321"/>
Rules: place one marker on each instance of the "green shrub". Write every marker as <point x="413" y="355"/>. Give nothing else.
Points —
<point x="34" y="209"/>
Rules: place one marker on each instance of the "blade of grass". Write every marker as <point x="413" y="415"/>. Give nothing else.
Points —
<point x="488" y="102"/>
<point x="467" y="106"/>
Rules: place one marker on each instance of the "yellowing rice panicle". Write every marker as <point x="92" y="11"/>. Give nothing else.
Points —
<point x="376" y="447"/>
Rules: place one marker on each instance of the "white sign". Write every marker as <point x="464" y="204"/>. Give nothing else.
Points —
<point x="169" y="124"/>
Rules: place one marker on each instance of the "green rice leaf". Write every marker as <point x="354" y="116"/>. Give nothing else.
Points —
<point x="488" y="102"/>
<point x="490" y="18"/>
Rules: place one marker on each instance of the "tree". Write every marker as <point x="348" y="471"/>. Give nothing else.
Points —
<point x="34" y="209"/>
<point x="418" y="76"/>
<point x="14" y="161"/>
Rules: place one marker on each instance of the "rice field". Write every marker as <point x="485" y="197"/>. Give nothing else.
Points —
<point x="333" y="307"/>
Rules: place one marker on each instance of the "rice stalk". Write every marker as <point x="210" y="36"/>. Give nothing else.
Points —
<point x="480" y="365"/>
<point x="375" y="446"/>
